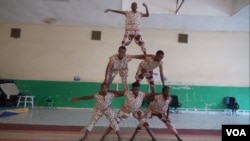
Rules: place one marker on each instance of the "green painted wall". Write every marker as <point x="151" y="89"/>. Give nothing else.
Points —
<point x="211" y="97"/>
<point x="191" y="97"/>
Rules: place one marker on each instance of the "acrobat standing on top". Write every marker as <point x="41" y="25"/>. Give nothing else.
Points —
<point x="132" y="25"/>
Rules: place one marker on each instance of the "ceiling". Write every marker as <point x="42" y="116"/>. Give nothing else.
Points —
<point x="193" y="15"/>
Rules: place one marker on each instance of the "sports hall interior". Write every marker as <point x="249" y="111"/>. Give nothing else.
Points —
<point x="59" y="49"/>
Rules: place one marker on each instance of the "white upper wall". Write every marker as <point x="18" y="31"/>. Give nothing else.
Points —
<point x="62" y="52"/>
<point x="194" y="15"/>
<point x="189" y="7"/>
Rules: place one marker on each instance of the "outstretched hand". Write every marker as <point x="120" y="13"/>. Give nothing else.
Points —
<point x="144" y="5"/>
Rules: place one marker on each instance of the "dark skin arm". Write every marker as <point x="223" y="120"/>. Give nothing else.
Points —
<point x="75" y="99"/>
<point x="147" y="13"/>
<point x="161" y="74"/>
<point x="117" y="93"/>
<point x="150" y="97"/>
<point x="142" y="56"/>
<point x="108" y="68"/>
<point x="168" y="112"/>
<point x="115" y="11"/>
<point x="124" y="13"/>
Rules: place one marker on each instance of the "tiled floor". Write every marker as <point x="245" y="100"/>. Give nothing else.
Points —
<point x="81" y="117"/>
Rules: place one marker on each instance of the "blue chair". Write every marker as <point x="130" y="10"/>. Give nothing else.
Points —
<point x="175" y="103"/>
<point x="232" y="105"/>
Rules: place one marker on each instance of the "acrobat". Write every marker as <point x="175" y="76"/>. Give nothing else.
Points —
<point x="103" y="107"/>
<point x="132" y="25"/>
<point x="131" y="106"/>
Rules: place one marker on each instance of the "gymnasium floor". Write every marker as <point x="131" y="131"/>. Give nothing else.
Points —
<point x="184" y="120"/>
<point x="81" y="117"/>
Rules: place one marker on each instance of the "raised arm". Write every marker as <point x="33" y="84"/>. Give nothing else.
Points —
<point x="161" y="74"/>
<point x="147" y="13"/>
<point x="115" y="11"/>
<point x="75" y="99"/>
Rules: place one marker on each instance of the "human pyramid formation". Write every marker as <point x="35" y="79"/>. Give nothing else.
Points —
<point x="118" y="63"/>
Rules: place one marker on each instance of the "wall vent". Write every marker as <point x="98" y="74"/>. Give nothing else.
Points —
<point x="96" y="35"/>
<point x="183" y="38"/>
<point x="15" y="33"/>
